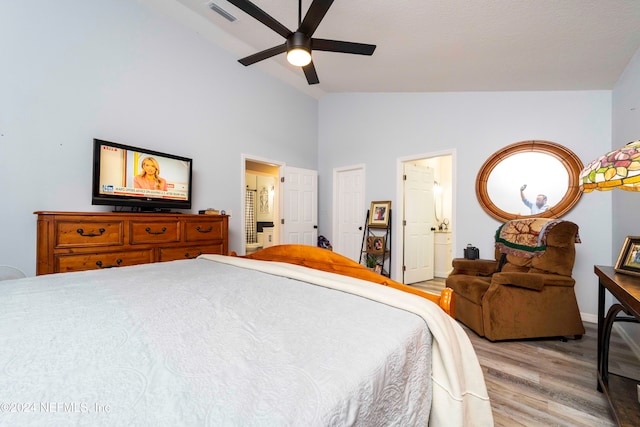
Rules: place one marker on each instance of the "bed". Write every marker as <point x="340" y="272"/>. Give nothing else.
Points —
<point x="227" y="340"/>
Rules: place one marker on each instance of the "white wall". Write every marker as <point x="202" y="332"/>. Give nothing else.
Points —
<point x="626" y="128"/>
<point x="626" y="205"/>
<point x="376" y="129"/>
<point x="118" y="70"/>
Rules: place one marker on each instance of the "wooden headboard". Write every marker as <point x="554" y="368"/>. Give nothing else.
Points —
<point x="326" y="260"/>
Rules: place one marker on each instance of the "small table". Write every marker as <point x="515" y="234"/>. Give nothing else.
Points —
<point x="620" y="390"/>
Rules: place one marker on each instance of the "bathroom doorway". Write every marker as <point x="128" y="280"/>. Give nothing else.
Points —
<point x="439" y="253"/>
<point x="261" y="201"/>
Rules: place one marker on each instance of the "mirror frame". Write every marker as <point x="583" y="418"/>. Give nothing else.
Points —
<point x="569" y="160"/>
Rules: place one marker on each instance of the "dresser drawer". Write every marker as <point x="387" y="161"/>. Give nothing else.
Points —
<point x="80" y="262"/>
<point x="143" y="232"/>
<point x="196" y="231"/>
<point x="187" y="252"/>
<point x="70" y="234"/>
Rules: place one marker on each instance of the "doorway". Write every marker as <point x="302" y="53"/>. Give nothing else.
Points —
<point x="260" y="204"/>
<point x="436" y="252"/>
<point x="281" y="207"/>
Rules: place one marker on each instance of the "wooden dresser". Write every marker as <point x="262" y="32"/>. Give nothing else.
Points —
<point x="75" y="241"/>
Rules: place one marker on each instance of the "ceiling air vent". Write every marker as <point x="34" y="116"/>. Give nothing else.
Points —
<point x="220" y="11"/>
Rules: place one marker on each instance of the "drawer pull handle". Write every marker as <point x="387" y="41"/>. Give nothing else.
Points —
<point x="80" y="231"/>
<point x="118" y="262"/>
<point x="148" y="230"/>
<point x="209" y="230"/>
<point x="186" y="255"/>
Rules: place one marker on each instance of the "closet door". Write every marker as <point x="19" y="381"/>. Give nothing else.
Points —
<point x="349" y="211"/>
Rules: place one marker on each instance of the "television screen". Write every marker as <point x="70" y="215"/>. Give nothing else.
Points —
<point x="129" y="176"/>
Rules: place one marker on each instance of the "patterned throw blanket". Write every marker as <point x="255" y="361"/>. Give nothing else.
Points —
<point x="525" y="237"/>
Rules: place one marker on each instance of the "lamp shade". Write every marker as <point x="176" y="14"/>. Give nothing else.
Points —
<point x="617" y="169"/>
<point x="299" y="57"/>
<point x="299" y="49"/>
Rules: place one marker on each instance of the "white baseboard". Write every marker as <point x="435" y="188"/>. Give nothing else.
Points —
<point x="591" y="318"/>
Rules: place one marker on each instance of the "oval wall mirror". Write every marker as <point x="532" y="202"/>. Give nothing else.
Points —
<point x="529" y="179"/>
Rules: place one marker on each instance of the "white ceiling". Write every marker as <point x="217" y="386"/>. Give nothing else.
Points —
<point x="445" y="45"/>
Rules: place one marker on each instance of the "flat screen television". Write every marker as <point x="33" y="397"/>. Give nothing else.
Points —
<point x="139" y="178"/>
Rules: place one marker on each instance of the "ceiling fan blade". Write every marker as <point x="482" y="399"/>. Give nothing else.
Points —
<point x="314" y="15"/>
<point x="267" y="53"/>
<point x="310" y="74"/>
<point x="343" y="47"/>
<point x="261" y="16"/>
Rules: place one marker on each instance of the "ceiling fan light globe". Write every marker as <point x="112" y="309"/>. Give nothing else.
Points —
<point x="299" y="57"/>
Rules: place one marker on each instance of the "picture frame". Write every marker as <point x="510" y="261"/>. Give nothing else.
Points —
<point x="629" y="258"/>
<point x="379" y="214"/>
<point x="264" y="198"/>
<point x="375" y="245"/>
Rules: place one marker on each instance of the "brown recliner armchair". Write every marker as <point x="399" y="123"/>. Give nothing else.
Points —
<point x="515" y="296"/>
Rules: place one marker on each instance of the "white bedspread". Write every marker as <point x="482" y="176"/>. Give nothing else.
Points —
<point x="459" y="392"/>
<point x="198" y="342"/>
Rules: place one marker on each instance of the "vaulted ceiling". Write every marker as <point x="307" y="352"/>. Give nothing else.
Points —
<point x="445" y="45"/>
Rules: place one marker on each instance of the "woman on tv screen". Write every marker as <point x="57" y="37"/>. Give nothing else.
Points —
<point x="149" y="178"/>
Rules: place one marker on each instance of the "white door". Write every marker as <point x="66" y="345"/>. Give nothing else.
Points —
<point x="299" y="219"/>
<point x="419" y="220"/>
<point x="349" y="211"/>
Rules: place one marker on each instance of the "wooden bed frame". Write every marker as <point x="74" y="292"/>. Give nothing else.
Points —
<point x="326" y="260"/>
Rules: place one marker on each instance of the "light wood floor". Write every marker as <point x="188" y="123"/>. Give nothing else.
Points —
<point x="547" y="382"/>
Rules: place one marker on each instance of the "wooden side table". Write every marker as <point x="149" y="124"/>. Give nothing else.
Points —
<point x="620" y="390"/>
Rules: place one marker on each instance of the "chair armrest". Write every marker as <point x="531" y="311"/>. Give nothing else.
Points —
<point x="474" y="267"/>
<point x="532" y="281"/>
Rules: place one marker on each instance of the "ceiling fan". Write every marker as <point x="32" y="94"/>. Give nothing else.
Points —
<point x="300" y="43"/>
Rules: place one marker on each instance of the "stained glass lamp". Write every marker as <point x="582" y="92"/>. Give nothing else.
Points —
<point x="618" y="169"/>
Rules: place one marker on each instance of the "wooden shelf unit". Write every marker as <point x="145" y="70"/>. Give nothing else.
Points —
<point x="382" y="256"/>
<point x="77" y="241"/>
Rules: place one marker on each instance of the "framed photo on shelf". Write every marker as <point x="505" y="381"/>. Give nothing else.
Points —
<point x="629" y="258"/>
<point x="375" y="244"/>
<point x="379" y="214"/>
